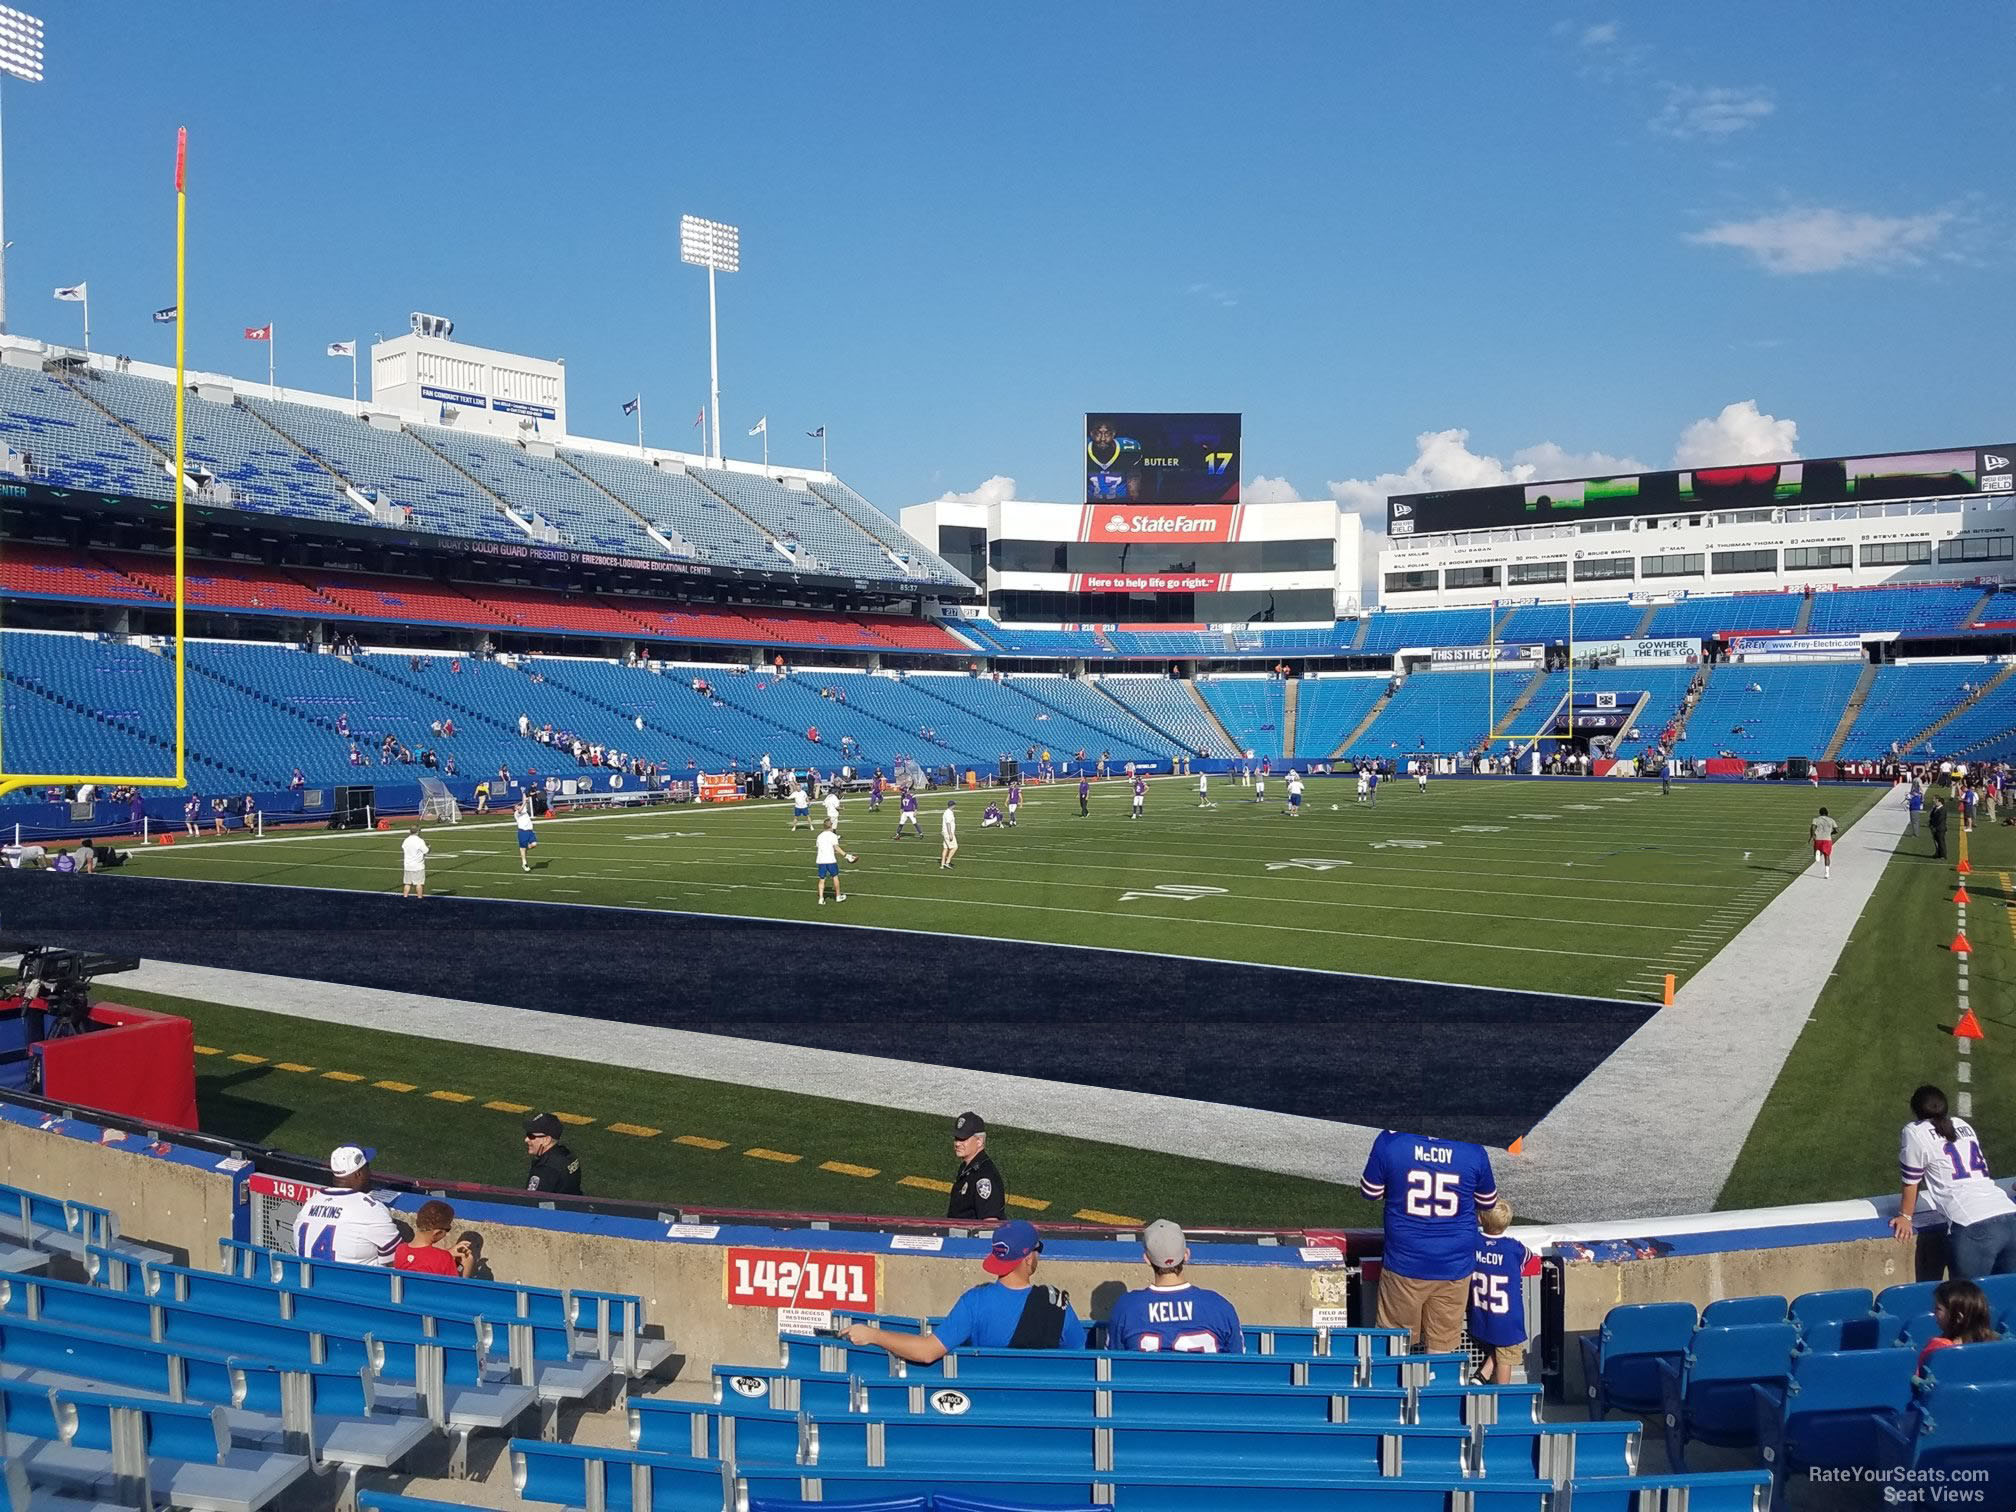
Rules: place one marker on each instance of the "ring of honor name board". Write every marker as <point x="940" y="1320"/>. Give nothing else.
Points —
<point x="1161" y="459"/>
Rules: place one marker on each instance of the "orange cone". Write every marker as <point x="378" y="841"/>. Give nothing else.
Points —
<point x="1961" y="895"/>
<point x="1960" y="945"/>
<point x="167" y="839"/>
<point x="1518" y="1146"/>
<point x="1969" y="1027"/>
<point x="1964" y="869"/>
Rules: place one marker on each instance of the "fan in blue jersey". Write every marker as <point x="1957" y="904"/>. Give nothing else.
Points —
<point x="1171" y="1314"/>
<point x="1498" y="1298"/>
<point x="1112" y="465"/>
<point x="1432" y="1190"/>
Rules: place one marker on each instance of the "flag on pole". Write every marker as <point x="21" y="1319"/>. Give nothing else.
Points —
<point x="761" y="427"/>
<point x="701" y="418"/>
<point x="630" y="405"/>
<point x="259" y="333"/>
<point x="76" y="293"/>
<point x="336" y="348"/>
<point x="818" y="435"/>
<point x="165" y="316"/>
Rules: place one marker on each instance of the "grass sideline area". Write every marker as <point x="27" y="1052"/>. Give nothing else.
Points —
<point x="453" y="1111"/>
<point x="1884" y="1025"/>
<point x="1584" y="887"/>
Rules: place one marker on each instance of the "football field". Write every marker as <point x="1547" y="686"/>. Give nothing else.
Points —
<point x="1588" y="888"/>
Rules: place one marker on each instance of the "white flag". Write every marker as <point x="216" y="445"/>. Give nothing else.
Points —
<point x="342" y="349"/>
<point x="76" y="293"/>
<point x="761" y="427"/>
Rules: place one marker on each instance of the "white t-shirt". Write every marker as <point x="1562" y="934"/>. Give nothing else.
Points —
<point x="832" y="805"/>
<point x="1295" y="787"/>
<point x="524" y="818"/>
<point x="799" y="800"/>
<point x="827" y="844"/>
<point x="414" y="848"/>
<point x="354" y="1227"/>
<point x="949" y="826"/>
<point x="1203" y="784"/>
<point x="1954" y="1177"/>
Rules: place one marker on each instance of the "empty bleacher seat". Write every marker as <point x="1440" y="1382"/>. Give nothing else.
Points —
<point x="1825" y="1414"/>
<point x="1621" y="1360"/>
<point x="1733" y="1312"/>
<point x="1955" y="1431"/>
<point x="1706" y="1395"/>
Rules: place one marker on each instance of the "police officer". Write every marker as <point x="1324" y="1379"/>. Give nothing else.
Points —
<point x="555" y="1168"/>
<point x="977" y="1191"/>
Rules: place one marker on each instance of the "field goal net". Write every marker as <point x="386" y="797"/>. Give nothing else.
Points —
<point x="437" y="803"/>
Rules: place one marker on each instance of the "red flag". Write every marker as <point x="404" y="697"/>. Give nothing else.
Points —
<point x="259" y="333"/>
<point x="701" y="418"/>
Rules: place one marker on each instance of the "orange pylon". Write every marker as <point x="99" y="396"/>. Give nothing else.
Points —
<point x="1961" y="895"/>
<point x="1669" y="989"/>
<point x="1960" y="945"/>
<point x="1969" y="1027"/>
<point x="1518" y="1146"/>
<point x="1964" y="869"/>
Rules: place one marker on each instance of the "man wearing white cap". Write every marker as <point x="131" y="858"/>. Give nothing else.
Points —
<point x="343" y="1221"/>
<point x="1172" y="1314"/>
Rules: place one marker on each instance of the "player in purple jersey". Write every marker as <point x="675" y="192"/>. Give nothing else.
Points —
<point x="1498" y="1298"/>
<point x="875" y="793"/>
<point x="906" y="815"/>
<point x="1014" y="801"/>
<point x="1084" y="794"/>
<point x="1140" y="795"/>
<point x="1432" y="1189"/>
<point x="1171" y="1314"/>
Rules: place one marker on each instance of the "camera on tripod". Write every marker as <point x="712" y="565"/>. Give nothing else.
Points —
<point x="55" y="986"/>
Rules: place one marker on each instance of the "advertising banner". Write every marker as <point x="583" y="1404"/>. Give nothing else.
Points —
<point x="1210" y="523"/>
<point x="1673" y="651"/>
<point x="1162" y="458"/>
<point x="1148" y="582"/>
<point x="1796" y="645"/>
<point x="1482" y="655"/>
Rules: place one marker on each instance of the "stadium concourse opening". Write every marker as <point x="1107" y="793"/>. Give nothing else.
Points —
<point x="1479" y="1063"/>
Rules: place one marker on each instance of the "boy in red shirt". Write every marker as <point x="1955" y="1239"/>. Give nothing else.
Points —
<point x="429" y="1250"/>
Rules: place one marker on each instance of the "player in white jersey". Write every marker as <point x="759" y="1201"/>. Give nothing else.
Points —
<point x="1822" y="829"/>
<point x="948" y="831"/>
<point x="826" y="855"/>
<point x="801" y="806"/>
<point x="527" y="836"/>
<point x="1294" y="794"/>
<point x="343" y="1221"/>
<point x="1364" y="784"/>
<point x="832" y="806"/>
<point x="1259" y="787"/>
<point x="1203" y="790"/>
<point x="1942" y="1155"/>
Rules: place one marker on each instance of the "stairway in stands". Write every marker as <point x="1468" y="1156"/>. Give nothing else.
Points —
<point x="1291" y="702"/>
<point x="1211" y="716"/>
<point x="1644" y="626"/>
<point x="1850" y="712"/>
<point x="1517" y="707"/>
<point x="1924" y="737"/>
<point x="1371" y="717"/>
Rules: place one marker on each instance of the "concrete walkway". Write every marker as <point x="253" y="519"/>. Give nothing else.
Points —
<point x="1656" y="1128"/>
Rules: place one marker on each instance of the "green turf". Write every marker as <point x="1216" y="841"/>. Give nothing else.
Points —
<point x="306" y="1111"/>
<point x="1568" y="886"/>
<point x="1884" y="1025"/>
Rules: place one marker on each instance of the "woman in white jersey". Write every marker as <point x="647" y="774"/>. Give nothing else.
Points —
<point x="1942" y="1154"/>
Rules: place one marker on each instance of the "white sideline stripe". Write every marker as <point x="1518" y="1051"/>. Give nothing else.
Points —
<point x="1281" y="1142"/>
<point x="1658" y="1126"/>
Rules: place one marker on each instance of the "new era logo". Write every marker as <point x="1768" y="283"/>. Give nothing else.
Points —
<point x="1402" y="511"/>
<point x="1992" y="463"/>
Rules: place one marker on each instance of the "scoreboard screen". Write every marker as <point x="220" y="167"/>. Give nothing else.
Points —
<point x="1161" y="459"/>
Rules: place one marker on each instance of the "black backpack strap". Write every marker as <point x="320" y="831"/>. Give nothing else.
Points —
<point x="1041" y="1325"/>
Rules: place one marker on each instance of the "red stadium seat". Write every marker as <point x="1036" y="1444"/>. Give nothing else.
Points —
<point x="57" y="572"/>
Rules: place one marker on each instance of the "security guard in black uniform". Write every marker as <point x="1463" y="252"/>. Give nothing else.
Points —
<point x="555" y="1168"/>
<point x="978" y="1190"/>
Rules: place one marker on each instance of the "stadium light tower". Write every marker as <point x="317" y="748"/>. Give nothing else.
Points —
<point x="21" y="57"/>
<point x="717" y="248"/>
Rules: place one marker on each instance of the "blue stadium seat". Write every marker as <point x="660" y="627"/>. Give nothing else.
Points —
<point x="1876" y="1330"/>
<point x="1973" y="1364"/>
<point x="880" y="1504"/>
<point x="1734" y="1312"/>
<point x="946" y="1503"/>
<point x="1955" y="1430"/>
<point x="2001" y="1294"/>
<point x="1810" y="1308"/>
<point x="1707" y="1395"/>
<point x="1825" y="1415"/>
<point x="1621" y="1360"/>
<point x="622" y="1480"/>
<point x="1908" y="1299"/>
<point x="1723" y="1491"/>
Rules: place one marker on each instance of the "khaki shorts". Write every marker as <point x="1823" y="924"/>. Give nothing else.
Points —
<point x="1509" y="1364"/>
<point x="1432" y="1311"/>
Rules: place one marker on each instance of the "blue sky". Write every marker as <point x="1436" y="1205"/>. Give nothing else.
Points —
<point x="1571" y="233"/>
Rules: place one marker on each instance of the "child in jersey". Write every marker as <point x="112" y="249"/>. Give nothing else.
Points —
<point x="1497" y="1318"/>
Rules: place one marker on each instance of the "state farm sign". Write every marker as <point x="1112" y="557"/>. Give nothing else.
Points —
<point x="1159" y="522"/>
<point x="1148" y="582"/>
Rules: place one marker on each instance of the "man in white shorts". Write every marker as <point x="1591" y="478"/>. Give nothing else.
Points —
<point x="413" y="854"/>
<point x="832" y="805"/>
<point x="1364" y="784"/>
<point x="1294" y="794"/>
<point x="801" y="806"/>
<point x="1259" y="786"/>
<point x="1203" y="790"/>
<point x="826" y="855"/>
<point x="948" y="829"/>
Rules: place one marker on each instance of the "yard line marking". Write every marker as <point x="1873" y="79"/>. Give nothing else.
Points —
<point x="638" y="1131"/>
<point x="393" y="1086"/>
<point x="698" y="1143"/>
<point x="451" y="1097"/>
<point x="341" y="1076"/>
<point x="1118" y="1220"/>
<point x="577" y="1119"/>
<point x="925" y="1183"/>
<point x="841" y="1168"/>
<point x="508" y="1107"/>
<point x="291" y="1066"/>
<point x="249" y="1060"/>
<point x="206" y="1050"/>
<point x="1034" y="1205"/>
<point x="779" y="1156"/>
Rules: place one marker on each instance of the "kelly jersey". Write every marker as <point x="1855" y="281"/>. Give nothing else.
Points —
<point x="339" y="1224"/>
<point x="1184" y="1318"/>
<point x="948" y="826"/>
<point x="827" y="844"/>
<point x="1432" y="1189"/>
<point x="1954" y="1175"/>
<point x="1497" y="1295"/>
<point x="1823" y="827"/>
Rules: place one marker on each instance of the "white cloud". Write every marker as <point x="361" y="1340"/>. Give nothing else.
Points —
<point x="1603" y="34"/>
<point x="1741" y="433"/>
<point x="996" y="490"/>
<point x="1266" y="490"/>
<point x="1216" y="294"/>
<point x="1549" y="460"/>
<point x="1714" y="112"/>
<point x="1826" y="241"/>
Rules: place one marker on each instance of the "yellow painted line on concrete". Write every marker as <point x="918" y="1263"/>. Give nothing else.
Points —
<point x="1030" y="1203"/>
<point x="699" y="1143"/>
<point x="841" y="1168"/>
<point x="392" y="1086"/>
<point x="342" y="1076"/>
<point x="640" y="1131"/>
<point x="291" y="1066"/>
<point x="454" y="1097"/>
<point x="508" y="1107"/>
<point x="1118" y="1220"/>
<point x="206" y="1050"/>
<point x="759" y="1153"/>
<point x="576" y="1119"/>
<point x="924" y="1183"/>
<point x="249" y="1060"/>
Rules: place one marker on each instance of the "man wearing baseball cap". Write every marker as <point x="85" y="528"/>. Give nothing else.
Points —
<point x="978" y="1192"/>
<point x="343" y="1221"/>
<point x="1012" y="1312"/>
<point x="555" y="1168"/>
<point x="1171" y="1313"/>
